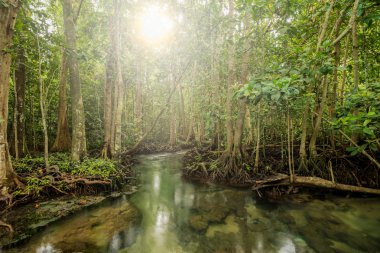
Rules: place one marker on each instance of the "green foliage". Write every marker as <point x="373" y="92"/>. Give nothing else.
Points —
<point x="90" y="167"/>
<point x="276" y="91"/>
<point x="95" y="167"/>
<point x="35" y="185"/>
<point x="360" y="114"/>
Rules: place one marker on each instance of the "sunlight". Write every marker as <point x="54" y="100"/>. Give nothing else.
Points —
<point x="155" y="24"/>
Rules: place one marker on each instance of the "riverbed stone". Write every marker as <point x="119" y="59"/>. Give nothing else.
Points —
<point x="198" y="222"/>
<point x="217" y="214"/>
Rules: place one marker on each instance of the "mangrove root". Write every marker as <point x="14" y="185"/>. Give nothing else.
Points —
<point x="3" y="224"/>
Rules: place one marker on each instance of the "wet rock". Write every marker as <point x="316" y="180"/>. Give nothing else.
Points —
<point x="286" y="218"/>
<point x="229" y="227"/>
<point x="198" y="222"/>
<point x="257" y="225"/>
<point x="217" y="214"/>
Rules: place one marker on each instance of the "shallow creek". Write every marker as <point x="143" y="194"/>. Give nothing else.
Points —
<point x="168" y="214"/>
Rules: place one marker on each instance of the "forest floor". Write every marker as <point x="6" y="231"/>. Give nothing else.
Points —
<point x="204" y="164"/>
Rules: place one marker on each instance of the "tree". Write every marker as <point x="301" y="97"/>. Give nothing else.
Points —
<point x="8" y="14"/>
<point x="78" y="144"/>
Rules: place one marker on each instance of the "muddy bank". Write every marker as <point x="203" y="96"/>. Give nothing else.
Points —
<point x="100" y="228"/>
<point x="30" y="219"/>
<point x="203" y="164"/>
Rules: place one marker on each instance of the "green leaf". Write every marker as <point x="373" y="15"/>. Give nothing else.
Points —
<point x="366" y="122"/>
<point x="373" y="146"/>
<point x="368" y="131"/>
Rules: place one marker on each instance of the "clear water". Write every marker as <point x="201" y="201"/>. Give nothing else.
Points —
<point x="179" y="216"/>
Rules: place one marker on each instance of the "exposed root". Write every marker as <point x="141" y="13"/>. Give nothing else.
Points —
<point x="330" y="165"/>
<point x="3" y="224"/>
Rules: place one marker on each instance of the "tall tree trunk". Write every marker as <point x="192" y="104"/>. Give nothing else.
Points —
<point x="43" y="106"/>
<point x="119" y="85"/>
<point x="313" y="140"/>
<point x="78" y="145"/>
<point x="108" y="92"/>
<point x="242" y="104"/>
<point x="138" y="102"/>
<point x="8" y="15"/>
<point x="182" y="116"/>
<point x="230" y="83"/>
<point x="20" y="81"/>
<point x="62" y="141"/>
<point x="173" y="117"/>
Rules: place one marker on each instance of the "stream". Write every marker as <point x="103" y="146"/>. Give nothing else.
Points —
<point x="169" y="214"/>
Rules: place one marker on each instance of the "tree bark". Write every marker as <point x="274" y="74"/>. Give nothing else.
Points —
<point x="108" y="91"/>
<point x="173" y="118"/>
<point x="7" y="21"/>
<point x="230" y="83"/>
<point x="78" y="145"/>
<point x="20" y="81"/>
<point x="119" y="85"/>
<point x="316" y="128"/>
<point x="318" y="120"/>
<point x="43" y="106"/>
<point x="138" y="102"/>
<point x="62" y="141"/>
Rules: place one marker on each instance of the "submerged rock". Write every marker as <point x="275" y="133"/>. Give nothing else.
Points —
<point x="198" y="222"/>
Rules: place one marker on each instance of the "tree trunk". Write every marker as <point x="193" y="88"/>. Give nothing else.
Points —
<point x="7" y="20"/>
<point x="173" y="118"/>
<point x="78" y="144"/>
<point x="182" y="116"/>
<point x="108" y="92"/>
<point x="43" y="95"/>
<point x="138" y="102"/>
<point x="20" y="81"/>
<point x="119" y="86"/>
<point x="318" y="120"/>
<point x="312" y="144"/>
<point x="230" y="83"/>
<point x="62" y="141"/>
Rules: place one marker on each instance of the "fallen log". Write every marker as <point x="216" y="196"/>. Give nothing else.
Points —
<point x="282" y="179"/>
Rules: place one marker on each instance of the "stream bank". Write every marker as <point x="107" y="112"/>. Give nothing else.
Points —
<point x="177" y="215"/>
<point x="326" y="173"/>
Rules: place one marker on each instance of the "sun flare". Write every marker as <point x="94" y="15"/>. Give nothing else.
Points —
<point x="155" y="24"/>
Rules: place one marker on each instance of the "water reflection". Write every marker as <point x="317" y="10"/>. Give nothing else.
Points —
<point x="47" y="248"/>
<point x="178" y="216"/>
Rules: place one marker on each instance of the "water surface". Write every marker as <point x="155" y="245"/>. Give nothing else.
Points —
<point x="180" y="216"/>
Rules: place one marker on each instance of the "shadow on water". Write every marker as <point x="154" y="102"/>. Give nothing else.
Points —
<point x="179" y="216"/>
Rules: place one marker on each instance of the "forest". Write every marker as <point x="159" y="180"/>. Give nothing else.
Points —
<point x="278" y="96"/>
